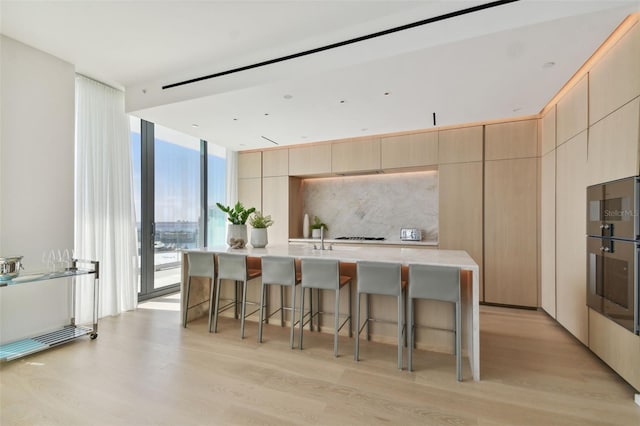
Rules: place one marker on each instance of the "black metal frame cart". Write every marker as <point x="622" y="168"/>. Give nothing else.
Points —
<point x="20" y="348"/>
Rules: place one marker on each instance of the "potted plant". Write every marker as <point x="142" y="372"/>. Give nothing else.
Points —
<point x="237" y="229"/>
<point x="260" y="223"/>
<point x="316" y="226"/>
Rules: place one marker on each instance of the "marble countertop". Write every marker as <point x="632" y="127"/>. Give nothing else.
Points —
<point x="371" y="242"/>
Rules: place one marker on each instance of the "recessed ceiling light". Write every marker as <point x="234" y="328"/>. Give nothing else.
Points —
<point x="303" y="137"/>
<point x="342" y="101"/>
<point x="517" y="109"/>
<point x="235" y="119"/>
<point x="194" y="125"/>
<point x="364" y="129"/>
<point x="387" y="93"/>
<point x="266" y="113"/>
<point x="549" y="64"/>
<point x="287" y="96"/>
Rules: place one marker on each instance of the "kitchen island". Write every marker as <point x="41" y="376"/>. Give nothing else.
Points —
<point x="348" y="256"/>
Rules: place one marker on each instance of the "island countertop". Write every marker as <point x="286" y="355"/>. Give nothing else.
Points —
<point x="403" y="255"/>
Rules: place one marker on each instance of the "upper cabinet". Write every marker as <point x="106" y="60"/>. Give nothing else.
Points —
<point x="275" y="162"/>
<point x="355" y="156"/>
<point x="460" y="145"/>
<point x="310" y="160"/>
<point x="415" y="150"/>
<point x="515" y="139"/>
<point x="548" y="130"/>
<point x="572" y="114"/>
<point x="249" y="165"/>
<point x="615" y="79"/>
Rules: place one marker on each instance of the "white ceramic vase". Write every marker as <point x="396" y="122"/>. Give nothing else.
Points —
<point x="305" y="226"/>
<point x="236" y="232"/>
<point x="315" y="233"/>
<point x="259" y="238"/>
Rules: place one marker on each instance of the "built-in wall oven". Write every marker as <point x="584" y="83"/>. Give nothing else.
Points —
<point x="613" y="251"/>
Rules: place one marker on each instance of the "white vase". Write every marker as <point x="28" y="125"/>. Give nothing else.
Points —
<point x="305" y="226"/>
<point x="315" y="233"/>
<point x="236" y="232"/>
<point x="259" y="238"/>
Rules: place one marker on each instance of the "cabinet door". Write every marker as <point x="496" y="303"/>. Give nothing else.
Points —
<point x="571" y="244"/>
<point x="355" y="156"/>
<point x="419" y="149"/>
<point x="548" y="233"/>
<point x="515" y="139"/>
<point x="249" y="165"/>
<point x="460" y="205"/>
<point x="460" y="145"/>
<point x="310" y="160"/>
<point x="275" y="162"/>
<point x="548" y="130"/>
<point x="250" y="192"/>
<point x="275" y="202"/>
<point x="571" y="111"/>
<point x="511" y="232"/>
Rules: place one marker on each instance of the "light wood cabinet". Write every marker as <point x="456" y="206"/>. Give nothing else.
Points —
<point x="510" y="224"/>
<point x="355" y="156"/>
<point x="460" y="145"/>
<point x="616" y="346"/>
<point x="460" y="210"/>
<point x="572" y="115"/>
<point x="615" y="79"/>
<point x="613" y="145"/>
<point x="515" y="139"/>
<point x="275" y="202"/>
<point x="250" y="192"/>
<point x="249" y="165"/>
<point x="275" y="162"/>
<point x="415" y="150"/>
<point x="548" y="130"/>
<point x="571" y="244"/>
<point x="310" y="160"/>
<point x="548" y="233"/>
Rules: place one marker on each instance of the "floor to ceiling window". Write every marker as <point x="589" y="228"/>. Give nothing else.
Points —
<point x="168" y="180"/>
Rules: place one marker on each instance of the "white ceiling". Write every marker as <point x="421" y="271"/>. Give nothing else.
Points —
<point x="480" y="66"/>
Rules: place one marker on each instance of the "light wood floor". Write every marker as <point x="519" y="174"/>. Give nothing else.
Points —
<point x="145" y="369"/>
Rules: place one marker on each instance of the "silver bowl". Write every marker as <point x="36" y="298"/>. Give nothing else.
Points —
<point x="10" y="267"/>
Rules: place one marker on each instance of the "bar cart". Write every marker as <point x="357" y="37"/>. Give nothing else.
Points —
<point x="67" y="333"/>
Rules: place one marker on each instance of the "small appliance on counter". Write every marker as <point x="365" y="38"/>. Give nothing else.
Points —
<point x="410" y="234"/>
<point x="10" y="267"/>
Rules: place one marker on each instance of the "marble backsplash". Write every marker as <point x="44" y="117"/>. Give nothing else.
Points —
<point x="375" y="205"/>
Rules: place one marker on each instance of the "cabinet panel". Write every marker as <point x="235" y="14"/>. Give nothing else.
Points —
<point x="310" y="160"/>
<point x="511" y="246"/>
<point x="275" y="202"/>
<point x="460" y="145"/>
<point x="419" y="149"/>
<point x="548" y="129"/>
<point x="572" y="114"/>
<point x="275" y="162"/>
<point x="548" y="233"/>
<point x="516" y="139"/>
<point x="613" y="145"/>
<point x="460" y="205"/>
<point x="571" y="244"/>
<point x="355" y="156"/>
<point x="250" y="192"/>
<point x="615" y="79"/>
<point x="615" y="346"/>
<point x="249" y="165"/>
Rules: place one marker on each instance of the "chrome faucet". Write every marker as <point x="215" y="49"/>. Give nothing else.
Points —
<point x="322" y="241"/>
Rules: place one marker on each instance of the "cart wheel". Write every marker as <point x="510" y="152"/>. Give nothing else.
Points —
<point x="93" y="336"/>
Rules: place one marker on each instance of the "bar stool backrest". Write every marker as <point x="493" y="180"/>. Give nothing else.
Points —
<point x="200" y="265"/>
<point x="320" y="273"/>
<point x="434" y="282"/>
<point x="278" y="270"/>
<point x="379" y="278"/>
<point x="232" y="266"/>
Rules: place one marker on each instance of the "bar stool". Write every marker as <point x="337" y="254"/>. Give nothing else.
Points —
<point x="435" y="283"/>
<point x="233" y="267"/>
<point x="324" y="274"/>
<point x="281" y="271"/>
<point x="199" y="265"/>
<point x="385" y="279"/>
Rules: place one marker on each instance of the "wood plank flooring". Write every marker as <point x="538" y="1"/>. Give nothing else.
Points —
<point x="145" y="369"/>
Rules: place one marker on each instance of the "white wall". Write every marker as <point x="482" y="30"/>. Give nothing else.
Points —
<point x="36" y="181"/>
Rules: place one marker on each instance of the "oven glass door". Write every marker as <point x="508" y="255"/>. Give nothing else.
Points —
<point x="612" y="211"/>
<point x="611" y="279"/>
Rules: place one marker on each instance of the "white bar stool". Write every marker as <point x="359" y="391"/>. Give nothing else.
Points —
<point x="435" y="283"/>
<point x="281" y="271"/>
<point x="324" y="274"/>
<point x="199" y="265"/>
<point x="385" y="279"/>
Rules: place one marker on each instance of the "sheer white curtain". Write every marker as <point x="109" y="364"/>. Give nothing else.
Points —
<point x="232" y="177"/>
<point x="105" y="228"/>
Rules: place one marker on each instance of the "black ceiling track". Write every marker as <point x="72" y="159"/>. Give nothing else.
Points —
<point x="347" y="42"/>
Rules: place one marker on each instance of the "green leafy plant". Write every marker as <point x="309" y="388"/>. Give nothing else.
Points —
<point x="317" y="224"/>
<point x="258" y="220"/>
<point x="238" y="215"/>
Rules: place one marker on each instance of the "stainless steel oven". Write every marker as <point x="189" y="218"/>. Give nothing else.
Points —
<point x="613" y="251"/>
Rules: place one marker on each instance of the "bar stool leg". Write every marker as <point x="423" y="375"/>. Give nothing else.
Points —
<point x="458" y="342"/>
<point x="282" y="306"/>
<point x="400" y="329"/>
<point x="261" y="315"/>
<point x="302" y="318"/>
<point x="244" y="307"/>
<point x="336" y="323"/>
<point x="215" y="310"/>
<point x="186" y="302"/>
<point x="350" y="312"/>
<point x="356" y="355"/>
<point x="293" y="313"/>
<point x="211" y="302"/>
<point x="410" y="333"/>
<point x="367" y="307"/>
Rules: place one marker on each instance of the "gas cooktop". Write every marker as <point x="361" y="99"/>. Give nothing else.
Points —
<point x="361" y="238"/>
